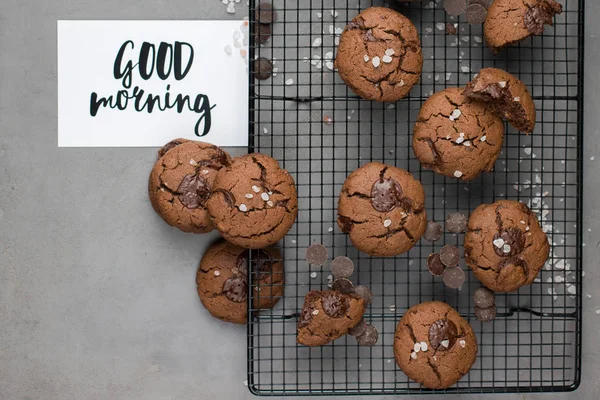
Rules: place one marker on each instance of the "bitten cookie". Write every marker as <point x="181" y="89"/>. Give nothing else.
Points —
<point x="505" y="245"/>
<point x="254" y="202"/>
<point x="510" y="21"/>
<point x="181" y="182"/>
<point x="328" y="315"/>
<point x="507" y="96"/>
<point x="457" y="137"/>
<point x="434" y="345"/>
<point x="379" y="56"/>
<point x="222" y="280"/>
<point x="382" y="209"/>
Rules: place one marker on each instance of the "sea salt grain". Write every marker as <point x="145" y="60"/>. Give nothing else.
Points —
<point x="458" y="174"/>
<point x="413" y="355"/>
<point x="217" y="273"/>
<point x="498" y="242"/>
<point x="264" y="196"/>
<point x="243" y="208"/>
<point x="255" y="188"/>
<point x="424" y="346"/>
<point x="366" y="58"/>
<point x="390" y="52"/>
<point x="387" y="222"/>
<point x="417" y="347"/>
<point x="313" y="275"/>
<point x="502" y="84"/>
<point x="455" y="114"/>
<point x="387" y="59"/>
<point x="317" y="42"/>
<point x="376" y="61"/>
<point x="446" y="343"/>
<point x="249" y="195"/>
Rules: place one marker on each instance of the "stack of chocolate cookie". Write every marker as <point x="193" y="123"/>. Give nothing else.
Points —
<point x="252" y="202"/>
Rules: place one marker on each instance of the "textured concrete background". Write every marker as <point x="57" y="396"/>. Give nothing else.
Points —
<point x="97" y="295"/>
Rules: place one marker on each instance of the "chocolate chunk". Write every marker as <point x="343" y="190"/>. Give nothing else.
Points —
<point x="442" y="332"/>
<point x="542" y="13"/>
<point x="265" y="14"/>
<point x="364" y="293"/>
<point x="316" y="254"/>
<point x="485" y="314"/>
<point x="449" y="255"/>
<point x="433" y="232"/>
<point x="335" y="304"/>
<point x="455" y="7"/>
<point x="369" y="37"/>
<point x="343" y="285"/>
<point x="476" y="14"/>
<point x="356" y="23"/>
<point x="517" y="262"/>
<point x="262" y="32"/>
<point x="456" y="222"/>
<point x="359" y="329"/>
<point x="484" y="298"/>
<point x="227" y="196"/>
<point x="451" y="29"/>
<point x="513" y="242"/>
<point x="306" y="314"/>
<point x="386" y="194"/>
<point x="263" y="68"/>
<point x="235" y="289"/>
<point x="342" y="267"/>
<point x="345" y="223"/>
<point x="193" y="191"/>
<point x="369" y="337"/>
<point x="173" y="143"/>
<point x="435" y="265"/>
<point x="454" y="277"/>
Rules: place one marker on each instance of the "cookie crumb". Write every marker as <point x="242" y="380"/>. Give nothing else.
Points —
<point x="327" y="119"/>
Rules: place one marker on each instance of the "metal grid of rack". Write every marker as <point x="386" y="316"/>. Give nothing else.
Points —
<point x="535" y="343"/>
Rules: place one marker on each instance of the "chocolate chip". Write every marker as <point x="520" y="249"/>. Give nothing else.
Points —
<point x="193" y="191"/>
<point x="455" y="7"/>
<point x="513" y="242"/>
<point x="435" y="265"/>
<point x="173" y="143"/>
<point x="343" y="285"/>
<point x="456" y="222"/>
<point x="476" y="14"/>
<point x="434" y="231"/>
<point x="454" y="277"/>
<point x="356" y="23"/>
<point x="369" y="337"/>
<point x="235" y="289"/>
<point x="359" y="329"/>
<point x="485" y="314"/>
<point x="364" y="293"/>
<point x="449" y="255"/>
<point x="441" y="331"/>
<point x="263" y="68"/>
<point x="261" y="263"/>
<point x="484" y="298"/>
<point x="265" y="14"/>
<point x="262" y="32"/>
<point x="344" y="223"/>
<point x="316" y="254"/>
<point x="335" y="305"/>
<point x="386" y="194"/>
<point x="342" y="267"/>
<point x="451" y="29"/>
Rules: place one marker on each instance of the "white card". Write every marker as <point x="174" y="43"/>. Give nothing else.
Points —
<point x="144" y="83"/>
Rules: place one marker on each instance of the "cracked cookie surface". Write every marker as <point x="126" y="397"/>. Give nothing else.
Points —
<point x="222" y="280"/>
<point x="379" y="56"/>
<point x="254" y="201"/>
<point x="511" y="21"/>
<point x="382" y="209"/>
<point x="328" y="315"/>
<point x="457" y="137"/>
<point x="434" y="345"/>
<point x="181" y="181"/>
<point x="505" y="246"/>
<point x="506" y="95"/>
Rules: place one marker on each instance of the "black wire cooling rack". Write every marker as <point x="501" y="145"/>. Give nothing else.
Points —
<point x="535" y="343"/>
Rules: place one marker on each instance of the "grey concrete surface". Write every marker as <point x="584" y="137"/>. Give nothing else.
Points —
<point x="97" y="297"/>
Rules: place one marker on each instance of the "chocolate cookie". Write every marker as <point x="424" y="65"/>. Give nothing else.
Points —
<point x="328" y="315"/>
<point x="507" y="96"/>
<point x="505" y="245"/>
<point x="181" y="182"/>
<point x="254" y="202"/>
<point x="510" y="21"/>
<point x="379" y="56"/>
<point x="457" y="137"/>
<point x="222" y="280"/>
<point x="434" y="345"/>
<point x="382" y="208"/>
